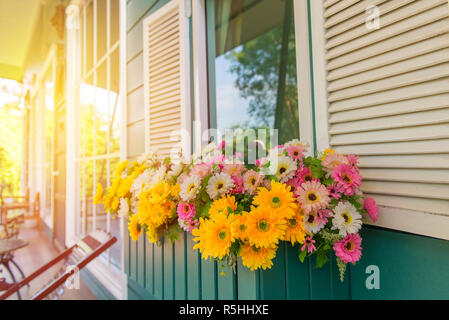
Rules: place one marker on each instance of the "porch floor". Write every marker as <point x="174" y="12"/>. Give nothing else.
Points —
<point x="40" y="251"/>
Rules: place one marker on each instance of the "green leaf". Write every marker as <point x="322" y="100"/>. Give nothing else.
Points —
<point x="173" y="232"/>
<point x="302" y="255"/>
<point x="321" y="259"/>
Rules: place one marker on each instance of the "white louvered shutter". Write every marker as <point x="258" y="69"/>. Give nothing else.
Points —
<point x="388" y="102"/>
<point x="166" y="83"/>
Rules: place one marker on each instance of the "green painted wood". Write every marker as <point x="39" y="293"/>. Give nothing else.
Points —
<point x="133" y="260"/>
<point x="193" y="271"/>
<point x="248" y="283"/>
<point x="136" y="292"/>
<point x="297" y="275"/>
<point x="273" y="280"/>
<point x="208" y="279"/>
<point x="158" y="251"/>
<point x="411" y="266"/>
<point x="149" y="266"/>
<point x="169" y="266"/>
<point x="141" y="260"/>
<point x="227" y="284"/>
<point x="180" y="255"/>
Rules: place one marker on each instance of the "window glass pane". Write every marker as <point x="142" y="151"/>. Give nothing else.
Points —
<point x="101" y="28"/>
<point x="115" y="21"/>
<point x="89" y="36"/>
<point x="87" y="100"/>
<point x="101" y="110"/>
<point x="114" y="103"/>
<point x="255" y="65"/>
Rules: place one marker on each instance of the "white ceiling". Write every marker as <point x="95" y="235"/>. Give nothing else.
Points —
<point x="17" y="22"/>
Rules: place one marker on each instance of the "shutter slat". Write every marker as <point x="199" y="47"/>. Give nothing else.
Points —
<point x="412" y="203"/>
<point x="398" y="121"/>
<point x="339" y="6"/>
<point x="406" y="175"/>
<point x="397" y="148"/>
<point x="419" y="190"/>
<point x="420" y="161"/>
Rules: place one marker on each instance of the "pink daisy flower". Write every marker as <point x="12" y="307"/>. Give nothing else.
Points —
<point x="296" y="152"/>
<point x="371" y="208"/>
<point x="221" y="145"/>
<point x="185" y="210"/>
<point x="308" y="244"/>
<point x="294" y="183"/>
<point x="349" y="249"/>
<point x="201" y="170"/>
<point x="347" y="178"/>
<point x="333" y="160"/>
<point x="313" y="196"/>
<point x="353" y="161"/>
<point x="251" y="181"/>
<point x="188" y="225"/>
<point x="305" y="174"/>
<point x="238" y="185"/>
<point x="233" y="169"/>
<point x="333" y="191"/>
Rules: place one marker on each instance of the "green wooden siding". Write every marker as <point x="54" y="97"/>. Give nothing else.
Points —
<point x="411" y="266"/>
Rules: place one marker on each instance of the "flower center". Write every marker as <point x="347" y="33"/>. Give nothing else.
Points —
<point x="311" y="219"/>
<point x="222" y="234"/>
<point x="348" y="246"/>
<point x="219" y="186"/>
<point x="242" y="227"/>
<point x="312" y="196"/>
<point x="263" y="225"/>
<point x="282" y="170"/>
<point x="252" y="181"/>
<point x="292" y="222"/>
<point x="191" y="187"/>
<point x="308" y="178"/>
<point x="255" y="249"/>
<point x="345" y="178"/>
<point x="138" y="227"/>
<point x="275" y="202"/>
<point x="347" y="218"/>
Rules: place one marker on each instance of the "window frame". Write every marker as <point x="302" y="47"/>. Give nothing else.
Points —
<point x="204" y="76"/>
<point x="111" y="276"/>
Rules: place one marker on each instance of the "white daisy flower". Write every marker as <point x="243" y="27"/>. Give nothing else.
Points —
<point x="219" y="185"/>
<point x="346" y="219"/>
<point x="123" y="209"/>
<point x="175" y="171"/>
<point x="190" y="188"/>
<point x="286" y="168"/>
<point x="141" y="179"/>
<point x="311" y="223"/>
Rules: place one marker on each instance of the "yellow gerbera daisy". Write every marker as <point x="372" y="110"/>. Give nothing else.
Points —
<point x="121" y="167"/>
<point x="115" y="203"/>
<point x="152" y="235"/>
<point x="214" y="237"/>
<point x="222" y="206"/>
<point x="265" y="228"/>
<point x="159" y="192"/>
<point x="135" y="229"/>
<point x="239" y="226"/>
<point x="295" y="231"/>
<point x="255" y="258"/>
<point x="98" y="194"/>
<point x="279" y="199"/>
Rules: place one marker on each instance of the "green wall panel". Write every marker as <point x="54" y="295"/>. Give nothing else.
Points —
<point x="149" y="266"/>
<point x="180" y="279"/>
<point x="193" y="271"/>
<point x="169" y="265"/>
<point x="410" y="266"/>
<point x="158" y="251"/>
<point x="208" y="279"/>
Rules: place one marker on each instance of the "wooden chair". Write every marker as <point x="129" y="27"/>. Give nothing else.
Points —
<point x="32" y="210"/>
<point x="75" y="258"/>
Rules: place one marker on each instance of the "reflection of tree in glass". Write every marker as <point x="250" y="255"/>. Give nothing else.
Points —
<point x="265" y="69"/>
